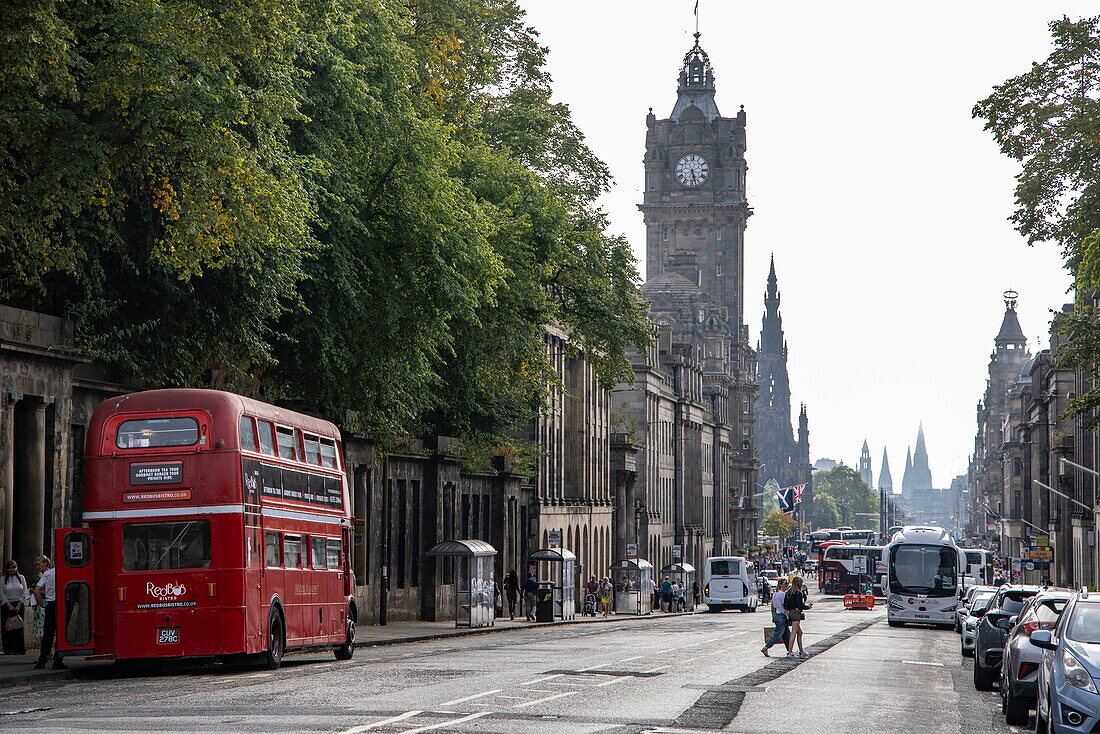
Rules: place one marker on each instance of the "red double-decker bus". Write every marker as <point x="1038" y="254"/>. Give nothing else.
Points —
<point x="216" y="525"/>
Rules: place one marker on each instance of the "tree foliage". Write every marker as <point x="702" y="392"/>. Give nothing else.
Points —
<point x="372" y="207"/>
<point x="854" y="501"/>
<point x="1048" y="119"/>
<point x="826" y="512"/>
<point x="779" y="524"/>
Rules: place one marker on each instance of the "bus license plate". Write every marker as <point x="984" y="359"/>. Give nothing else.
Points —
<point x="921" y="616"/>
<point x="168" y="635"/>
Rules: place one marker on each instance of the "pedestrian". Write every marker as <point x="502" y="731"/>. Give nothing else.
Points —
<point x="498" y="600"/>
<point x="666" y="595"/>
<point x="592" y="587"/>
<point x="651" y="585"/>
<point x="681" y="601"/>
<point x="779" y="621"/>
<point x="13" y="612"/>
<point x="605" y="591"/>
<point x="794" y="602"/>
<point x="530" y="588"/>
<point x="511" y="592"/>
<point x="45" y="590"/>
<point x="694" y="595"/>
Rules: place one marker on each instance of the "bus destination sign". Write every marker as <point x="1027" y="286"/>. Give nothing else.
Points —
<point x="166" y="472"/>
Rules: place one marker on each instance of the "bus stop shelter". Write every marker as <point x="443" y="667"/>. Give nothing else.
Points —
<point x="474" y="602"/>
<point x="631" y="577"/>
<point x="685" y="574"/>
<point x="557" y="568"/>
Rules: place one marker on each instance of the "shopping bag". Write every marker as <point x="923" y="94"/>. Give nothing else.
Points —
<point x="14" y="622"/>
<point x="39" y="621"/>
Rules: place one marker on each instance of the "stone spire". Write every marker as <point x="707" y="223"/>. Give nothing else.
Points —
<point x="865" y="464"/>
<point x="922" y="475"/>
<point x="907" y="476"/>
<point x="885" y="481"/>
<point x="695" y="93"/>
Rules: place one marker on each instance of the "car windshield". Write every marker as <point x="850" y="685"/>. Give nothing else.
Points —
<point x="1084" y="625"/>
<point x="930" y="570"/>
<point x="980" y="602"/>
<point x="1013" y="601"/>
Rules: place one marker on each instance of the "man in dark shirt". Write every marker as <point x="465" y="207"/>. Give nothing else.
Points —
<point x="530" y="587"/>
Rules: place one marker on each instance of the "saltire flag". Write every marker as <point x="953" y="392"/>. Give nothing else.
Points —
<point x="783" y="499"/>
<point x="798" y="493"/>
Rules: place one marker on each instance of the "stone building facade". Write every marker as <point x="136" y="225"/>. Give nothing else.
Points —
<point x="689" y="411"/>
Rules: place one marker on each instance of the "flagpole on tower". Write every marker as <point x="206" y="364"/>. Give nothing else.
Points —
<point x="696" y="20"/>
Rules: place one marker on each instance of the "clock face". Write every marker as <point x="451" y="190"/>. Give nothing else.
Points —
<point x="692" y="170"/>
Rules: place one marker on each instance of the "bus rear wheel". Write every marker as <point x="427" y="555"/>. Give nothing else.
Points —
<point x="276" y="641"/>
<point x="345" y="651"/>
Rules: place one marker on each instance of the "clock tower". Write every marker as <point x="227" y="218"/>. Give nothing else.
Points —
<point x="695" y="186"/>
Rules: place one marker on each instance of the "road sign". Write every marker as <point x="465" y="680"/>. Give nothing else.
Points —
<point x="678" y="552"/>
<point x="859" y="564"/>
<point x="555" y="539"/>
<point x="1042" y="539"/>
<point x="1040" y="553"/>
<point x="1029" y="566"/>
<point x="631" y="550"/>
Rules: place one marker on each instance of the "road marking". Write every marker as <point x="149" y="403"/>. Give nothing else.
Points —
<point x="627" y="660"/>
<point x="654" y="670"/>
<point x="383" y="722"/>
<point x="471" y="698"/>
<point x="541" y="700"/>
<point x="447" y="723"/>
<point x="921" y="662"/>
<point x="594" y="667"/>
<point x="540" y="680"/>
<point x="611" y="682"/>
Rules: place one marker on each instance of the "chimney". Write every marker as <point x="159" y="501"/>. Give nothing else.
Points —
<point x="686" y="264"/>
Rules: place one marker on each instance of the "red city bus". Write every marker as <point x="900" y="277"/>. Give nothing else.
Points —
<point x="216" y="525"/>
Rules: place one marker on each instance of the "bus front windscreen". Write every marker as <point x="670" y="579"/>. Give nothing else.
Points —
<point x="930" y="570"/>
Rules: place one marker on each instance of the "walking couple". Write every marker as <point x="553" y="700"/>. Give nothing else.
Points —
<point x="788" y="611"/>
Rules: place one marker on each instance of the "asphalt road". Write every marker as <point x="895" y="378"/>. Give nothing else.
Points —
<point x="695" y="673"/>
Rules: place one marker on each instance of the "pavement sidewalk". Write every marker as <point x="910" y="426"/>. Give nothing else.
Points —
<point x="18" y="670"/>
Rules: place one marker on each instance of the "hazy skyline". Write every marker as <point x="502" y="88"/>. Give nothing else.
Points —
<point x="884" y="202"/>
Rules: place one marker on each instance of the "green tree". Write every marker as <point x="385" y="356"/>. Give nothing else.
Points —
<point x="778" y="524"/>
<point x="826" y="512"/>
<point x="1048" y="119"/>
<point x="855" y="502"/>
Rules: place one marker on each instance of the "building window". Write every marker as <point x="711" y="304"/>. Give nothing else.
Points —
<point x="718" y="234"/>
<point x="745" y="431"/>
<point x="718" y="267"/>
<point x="744" y="406"/>
<point x="664" y="234"/>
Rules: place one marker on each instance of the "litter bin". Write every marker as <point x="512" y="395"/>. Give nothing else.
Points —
<point x="544" y="604"/>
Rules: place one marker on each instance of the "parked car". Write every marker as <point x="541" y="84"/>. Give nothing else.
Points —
<point x="978" y="607"/>
<point x="1020" y="663"/>
<point x="1068" y="697"/>
<point x="965" y="599"/>
<point x="992" y="631"/>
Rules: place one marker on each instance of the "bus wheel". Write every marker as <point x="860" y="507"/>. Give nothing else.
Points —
<point x="345" y="651"/>
<point x="276" y="641"/>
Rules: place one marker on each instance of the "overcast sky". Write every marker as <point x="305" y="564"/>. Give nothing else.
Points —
<point x="884" y="202"/>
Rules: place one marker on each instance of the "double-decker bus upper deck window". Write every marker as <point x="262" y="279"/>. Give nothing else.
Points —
<point x="267" y="445"/>
<point x="313" y="450"/>
<point x="320" y="560"/>
<point x="292" y="551"/>
<point x="332" y="548"/>
<point x="328" y="453"/>
<point x="285" y="436"/>
<point x="273" y="557"/>
<point x="166" y="546"/>
<point x="248" y="434"/>
<point x="147" y="433"/>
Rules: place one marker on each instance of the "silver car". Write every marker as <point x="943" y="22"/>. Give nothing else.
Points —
<point x="964" y="603"/>
<point x="978" y="606"/>
<point x="1020" y="664"/>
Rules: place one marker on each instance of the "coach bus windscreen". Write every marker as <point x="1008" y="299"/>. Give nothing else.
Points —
<point x="146" y="433"/>
<point x="930" y="570"/>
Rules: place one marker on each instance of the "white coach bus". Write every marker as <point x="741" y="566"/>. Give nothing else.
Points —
<point x="923" y="566"/>
<point x="729" y="582"/>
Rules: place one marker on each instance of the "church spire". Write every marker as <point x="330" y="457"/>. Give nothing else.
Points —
<point x="865" y="464"/>
<point x="885" y="481"/>
<point x="695" y="93"/>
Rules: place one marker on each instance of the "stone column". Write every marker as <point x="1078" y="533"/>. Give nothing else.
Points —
<point x="29" y="521"/>
<point x="7" y="470"/>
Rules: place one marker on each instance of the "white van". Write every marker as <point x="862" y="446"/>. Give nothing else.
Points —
<point x="729" y="582"/>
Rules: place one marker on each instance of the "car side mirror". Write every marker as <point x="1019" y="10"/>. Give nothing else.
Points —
<point x="1043" y="639"/>
<point x="1012" y="621"/>
<point x="979" y="612"/>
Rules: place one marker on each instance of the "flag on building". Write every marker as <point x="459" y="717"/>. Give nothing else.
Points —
<point x="783" y="499"/>
<point x="798" y="493"/>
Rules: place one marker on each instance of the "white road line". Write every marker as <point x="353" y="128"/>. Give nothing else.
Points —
<point x="636" y="657"/>
<point x="540" y="680"/>
<point x="594" y="667"/>
<point x="654" y="670"/>
<point x="383" y="722"/>
<point x="471" y="698"/>
<point x="611" y="682"/>
<point x="447" y="723"/>
<point x="541" y="700"/>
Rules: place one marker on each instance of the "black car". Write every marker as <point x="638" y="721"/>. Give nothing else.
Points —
<point x="989" y="642"/>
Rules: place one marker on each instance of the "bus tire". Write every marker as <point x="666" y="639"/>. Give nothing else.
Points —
<point x="276" y="640"/>
<point x="983" y="679"/>
<point x="345" y="651"/>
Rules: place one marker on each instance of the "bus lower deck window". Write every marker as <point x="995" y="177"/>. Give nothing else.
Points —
<point x="292" y="551"/>
<point x="319" y="557"/>
<point x="273" y="557"/>
<point x="165" y="546"/>
<point x="333" y="549"/>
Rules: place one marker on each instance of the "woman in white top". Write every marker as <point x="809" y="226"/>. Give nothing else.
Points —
<point x="14" y="594"/>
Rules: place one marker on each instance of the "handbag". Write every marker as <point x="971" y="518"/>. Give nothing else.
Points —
<point x="14" y="622"/>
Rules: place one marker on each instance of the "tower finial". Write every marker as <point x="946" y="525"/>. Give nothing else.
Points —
<point x="1010" y="299"/>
